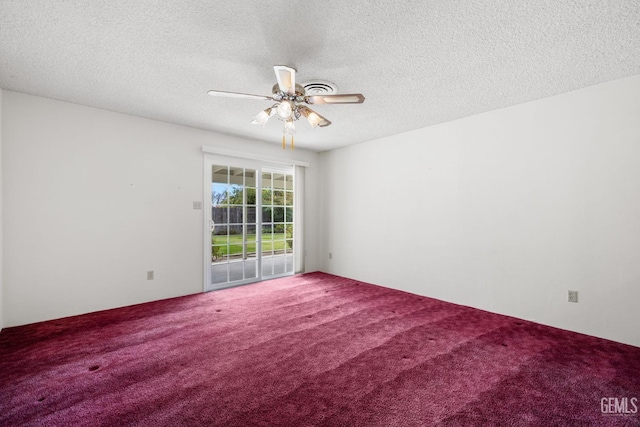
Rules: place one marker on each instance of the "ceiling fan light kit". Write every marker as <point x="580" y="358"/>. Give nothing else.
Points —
<point x="290" y="99"/>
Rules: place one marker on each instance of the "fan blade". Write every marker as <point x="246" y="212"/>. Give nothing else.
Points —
<point x="314" y="118"/>
<point x="351" y="98"/>
<point x="237" y="95"/>
<point x="286" y="77"/>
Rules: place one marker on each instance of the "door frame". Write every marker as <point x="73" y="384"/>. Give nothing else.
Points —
<point x="210" y="159"/>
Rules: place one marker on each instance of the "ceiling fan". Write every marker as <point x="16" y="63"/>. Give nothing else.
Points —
<point x="290" y="102"/>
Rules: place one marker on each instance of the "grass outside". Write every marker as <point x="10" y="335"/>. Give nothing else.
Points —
<point x="270" y="242"/>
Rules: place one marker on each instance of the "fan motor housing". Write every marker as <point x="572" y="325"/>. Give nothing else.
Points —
<point x="299" y="89"/>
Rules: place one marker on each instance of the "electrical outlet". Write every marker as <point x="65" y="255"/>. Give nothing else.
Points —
<point x="573" y="296"/>
<point x="150" y="275"/>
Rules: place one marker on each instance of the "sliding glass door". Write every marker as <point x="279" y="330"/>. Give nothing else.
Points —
<point x="277" y="223"/>
<point x="233" y="224"/>
<point x="251" y="224"/>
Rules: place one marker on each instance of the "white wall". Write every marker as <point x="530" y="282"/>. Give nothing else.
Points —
<point x="505" y="211"/>
<point x="93" y="199"/>
<point x="1" y="222"/>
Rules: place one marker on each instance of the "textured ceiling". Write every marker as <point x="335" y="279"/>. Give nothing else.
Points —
<point x="417" y="62"/>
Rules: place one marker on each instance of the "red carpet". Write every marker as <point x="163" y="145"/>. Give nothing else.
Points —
<point x="311" y="350"/>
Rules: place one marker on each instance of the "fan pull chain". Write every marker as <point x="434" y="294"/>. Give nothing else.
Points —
<point x="284" y="142"/>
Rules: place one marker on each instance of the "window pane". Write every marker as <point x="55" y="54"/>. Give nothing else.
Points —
<point x="278" y="265"/>
<point x="219" y="195"/>
<point x="251" y="214"/>
<point x="250" y="269"/>
<point x="251" y="196"/>
<point x="236" y="176"/>
<point x="266" y="214"/>
<point x="249" y="178"/>
<point x="235" y="214"/>
<point x="218" y="273"/>
<point x="267" y="197"/>
<point x="278" y="197"/>
<point x="235" y="196"/>
<point x="235" y="246"/>
<point x="220" y="233"/>
<point x="267" y="266"/>
<point x="236" y="271"/>
<point x="219" y="253"/>
<point x="289" y="263"/>
<point x="278" y="214"/>
<point x="219" y="174"/>
<point x="266" y="180"/>
<point x="251" y="238"/>
<point x="220" y="215"/>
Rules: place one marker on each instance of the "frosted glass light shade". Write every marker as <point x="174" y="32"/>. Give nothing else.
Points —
<point x="284" y="110"/>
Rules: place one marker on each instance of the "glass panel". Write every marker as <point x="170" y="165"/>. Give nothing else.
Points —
<point x="251" y="196"/>
<point x="267" y="247"/>
<point x="220" y="233"/>
<point x="289" y="263"/>
<point x="236" y="176"/>
<point x="278" y="181"/>
<point x="279" y="264"/>
<point x="278" y="214"/>
<point x="219" y="194"/>
<point x="235" y="215"/>
<point x="219" y="253"/>
<point x="220" y="214"/>
<point x="278" y="197"/>
<point x="278" y="245"/>
<point x="289" y="198"/>
<point x="235" y="230"/>
<point x="266" y="214"/>
<point x="251" y="214"/>
<point x="236" y="271"/>
<point x="251" y="269"/>
<point x="235" y="245"/>
<point x="289" y="182"/>
<point x="250" y="178"/>
<point x="267" y="197"/>
<point x="289" y="215"/>
<point x="250" y="239"/>
<point x="235" y="195"/>
<point x="219" y="174"/>
<point x="251" y="252"/>
<point x="218" y="273"/>
<point x="267" y="266"/>
<point x="266" y="180"/>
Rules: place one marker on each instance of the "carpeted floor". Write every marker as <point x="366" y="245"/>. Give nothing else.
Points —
<point x="311" y="350"/>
